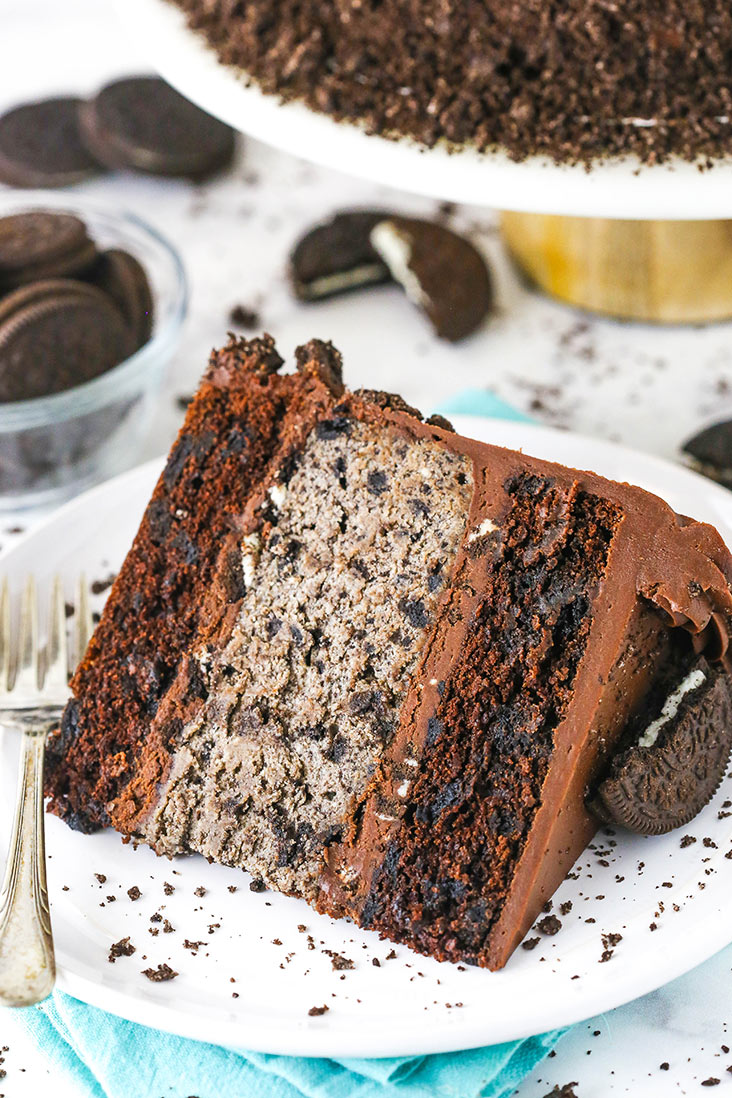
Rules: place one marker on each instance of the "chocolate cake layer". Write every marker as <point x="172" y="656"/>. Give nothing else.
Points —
<point x="378" y="665"/>
<point x="155" y="610"/>
<point x="575" y="80"/>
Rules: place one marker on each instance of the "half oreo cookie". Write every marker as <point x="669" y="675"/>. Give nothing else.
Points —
<point x="673" y="757"/>
<point x="442" y="273"/>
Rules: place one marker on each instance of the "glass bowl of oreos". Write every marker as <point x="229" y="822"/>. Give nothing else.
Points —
<point x="92" y="302"/>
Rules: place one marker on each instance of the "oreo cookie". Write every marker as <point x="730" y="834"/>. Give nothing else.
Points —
<point x="40" y="145"/>
<point x="56" y="335"/>
<point x="142" y="124"/>
<point x="442" y="273"/>
<point x="42" y="244"/>
<point x="710" y="452"/>
<point x="674" y="756"/>
<point x="337" y="257"/>
<point x="122" y="277"/>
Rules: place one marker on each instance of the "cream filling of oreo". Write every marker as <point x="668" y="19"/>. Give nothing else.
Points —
<point x="362" y="275"/>
<point x="395" y="249"/>
<point x="671" y="707"/>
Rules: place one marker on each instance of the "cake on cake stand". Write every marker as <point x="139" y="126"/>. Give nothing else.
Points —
<point x="630" y="240"/>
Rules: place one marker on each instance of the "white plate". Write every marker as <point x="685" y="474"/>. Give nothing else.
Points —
<point x="402" y="1006"/>
<point x="620" y="188"/>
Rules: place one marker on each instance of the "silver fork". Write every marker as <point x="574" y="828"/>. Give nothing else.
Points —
<point x="33" y="691"/>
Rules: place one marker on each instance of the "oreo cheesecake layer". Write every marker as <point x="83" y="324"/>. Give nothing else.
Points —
<point x="376" y="664"/>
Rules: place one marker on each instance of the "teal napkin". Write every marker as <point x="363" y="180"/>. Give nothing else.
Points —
<point x="108" y="1057"/>
<point x="480" y="402"/>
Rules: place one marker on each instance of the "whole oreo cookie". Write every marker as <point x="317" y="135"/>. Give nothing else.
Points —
<point x="42" y="244"/>
<point x="440" y="271"/>
<point x="123" y="278"/>
<point x="711" y="452"/>
<point x="56" y="335"/>
<point x="143" y="124"/>
<point x="678" y="760"/>
<point x="40" y="145"/>
<point x="338" y="256"/>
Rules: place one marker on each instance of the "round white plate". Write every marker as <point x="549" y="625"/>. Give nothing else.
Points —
<point x="252" y="945"/>
<point x="620" y="188"/>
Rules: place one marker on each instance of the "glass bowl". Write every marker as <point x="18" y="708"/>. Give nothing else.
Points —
<point x="54" y="446"/>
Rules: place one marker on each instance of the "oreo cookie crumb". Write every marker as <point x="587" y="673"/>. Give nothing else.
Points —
<point x="134" y="893"/>
<point x="122" y="948"/>
<point x="160" y="974"/>
<point x="550" y="925"/>
<point x="338" y="961"/>
<point x="98" y="587"/>
<point x="241" y="316"/>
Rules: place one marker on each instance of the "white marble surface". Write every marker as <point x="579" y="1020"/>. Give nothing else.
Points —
<point x="647" y="386"/>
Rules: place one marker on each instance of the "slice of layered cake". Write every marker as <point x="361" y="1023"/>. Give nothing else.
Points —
<point x="387" y="668"/>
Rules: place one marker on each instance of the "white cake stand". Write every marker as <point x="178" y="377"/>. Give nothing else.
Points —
<point x="649" y="270"/>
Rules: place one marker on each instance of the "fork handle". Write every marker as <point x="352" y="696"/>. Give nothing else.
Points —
<point x="27" y="964"/>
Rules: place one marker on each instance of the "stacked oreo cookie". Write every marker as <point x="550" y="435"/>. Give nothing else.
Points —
<point x="135" y="124"/>
<point x="68" y="310"/>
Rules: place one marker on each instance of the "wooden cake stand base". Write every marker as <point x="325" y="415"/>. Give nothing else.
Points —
<point x="672" y="272"/>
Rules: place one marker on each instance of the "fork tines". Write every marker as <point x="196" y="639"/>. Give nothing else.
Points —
<point x="29" y="672"/>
